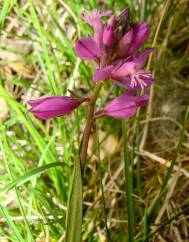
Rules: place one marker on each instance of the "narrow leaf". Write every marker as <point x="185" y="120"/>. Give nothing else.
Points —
<point x="21" y="180"/>
<point x="75" y="207"/>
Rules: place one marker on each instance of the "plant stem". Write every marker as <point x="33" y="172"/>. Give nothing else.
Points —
<point x="89" y="122"/>
<point x="128" y="184"/>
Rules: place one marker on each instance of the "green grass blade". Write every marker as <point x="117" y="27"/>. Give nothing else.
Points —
<point x="5" y="10"/>
<point x="145" y="225"/>
<point x="165" y="222"/>
<point x="144" y="14"/>
<point x="21" y="180"/>
<point x="181" y="137"/>
<point x="48" y="70"/>
<point x="128" y="184"/>
<point x="11" y="224"/>
<point x="8" y="157"/>
<point x="75" y="207"/>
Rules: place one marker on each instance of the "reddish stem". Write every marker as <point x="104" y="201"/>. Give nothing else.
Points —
<point x="88" y="126"/>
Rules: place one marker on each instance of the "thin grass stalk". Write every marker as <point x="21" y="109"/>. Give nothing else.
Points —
<point x="128" y="184"/>
<point x="91" y="239"/>
<point x="143" y="14"/>
<point x="181" y="137"/>
<point x="149" y="108"/>
<point x="108" y="237"/>
<point x="164" y="223"/>
<point x="136" y="144"/>
<point x="145" y="225"/>
<point x="163" y="189"/>
<point x="7" y="165"/>
<point x="136" y="135"/>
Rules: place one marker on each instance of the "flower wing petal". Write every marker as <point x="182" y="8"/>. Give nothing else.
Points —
<point x="124" y="69"/>
<point x="120" y="107"/>
<point x="141" y="58"/>
<point x="124" y="106"/>
<point x="87" y="49"/>
<point x="102" y="74"/>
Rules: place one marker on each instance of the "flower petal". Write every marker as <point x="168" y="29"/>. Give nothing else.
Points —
<point x="123" y="69"/>
<point x="123" y="106"/>
<point x="141" y="58"/>
<point x="96" y="15"/>
<point x="120" y="107"/>
<point x="102" y="74"/>
<point x="49" y="107"/>
<point x="141" y="100"/>
<point x="108" y="33"/>
<point x="143" y="80"/>
<point x="141" y="33"/>
<point x="87" y="49"/>
<point x="125" y="41"/>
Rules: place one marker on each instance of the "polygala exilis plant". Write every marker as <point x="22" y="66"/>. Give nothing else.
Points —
<point x="114" y="50"/>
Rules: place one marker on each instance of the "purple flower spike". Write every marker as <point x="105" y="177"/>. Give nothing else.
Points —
<point x="123" y="106"/>
<point x="141" y="33"/>
<point x="87" y="49"/>
<point x="50" y="107"/>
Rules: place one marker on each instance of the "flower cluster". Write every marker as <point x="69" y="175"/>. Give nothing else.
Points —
<point x="114" y="50"/>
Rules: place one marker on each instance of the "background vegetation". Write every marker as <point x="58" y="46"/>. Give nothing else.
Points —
<point x="37" y="58"/>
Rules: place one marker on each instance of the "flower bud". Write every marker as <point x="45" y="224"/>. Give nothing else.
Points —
<point x="126" y="40"/>
<point x="108" y="34"/>
<point x="50" y="107"/>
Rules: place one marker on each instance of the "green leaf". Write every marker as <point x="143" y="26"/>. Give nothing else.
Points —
<point x="75" y="207"/>
<point x="21" y="180"/>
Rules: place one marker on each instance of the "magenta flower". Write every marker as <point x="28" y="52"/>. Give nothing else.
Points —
<point x="128" y="74"/>
<point x="114" y="48"/>
<point x="119" y="34"/>
<point x="123" y="106"/>
<point x="50" y="107"/>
